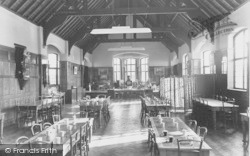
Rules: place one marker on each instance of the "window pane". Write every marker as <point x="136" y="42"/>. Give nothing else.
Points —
<point x="52" y="76"/>
<point x="52" y="58"/>
<point x="118" y="75"/>
<point x="143" y="68"/>
<point x="239" y="45"/>
<point x="239" y="74"/>
<point x="245" y="73"/>
<point x="206" y="58"/>
<point x="132" y="61"/>
<point x="206" y="70"/>
<point x="143" y="61"/>
<point x="132" y="67"/>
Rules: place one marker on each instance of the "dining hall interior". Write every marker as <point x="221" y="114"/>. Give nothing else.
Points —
<point x="124" y="77"/>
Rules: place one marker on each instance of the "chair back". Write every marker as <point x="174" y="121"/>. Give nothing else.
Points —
<point x="36" y="128"/>
<point x="74" y="138"/>
<point x="88" y="97"/>
<point x="21" y="139"/>
<point x="192" y="124"/>
<point x="195" y="146"/>
<point x="202" y="132"/>
<point x="101" y="96"/>
<point x="56" y="118"/>
<point x="46" y="125"/>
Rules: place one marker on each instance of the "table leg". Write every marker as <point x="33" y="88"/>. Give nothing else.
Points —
<point x="100" y="118"/>
<point x="214" y="119"/>
<point x="244" y="130"/>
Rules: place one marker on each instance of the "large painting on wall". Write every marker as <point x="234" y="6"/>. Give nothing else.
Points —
<point x="159" y="70"/>
<point x="103" y="73"/>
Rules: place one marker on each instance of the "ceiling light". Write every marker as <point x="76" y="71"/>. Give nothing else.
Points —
<point x="120" y="30"/>
<point x="127" y="48"/>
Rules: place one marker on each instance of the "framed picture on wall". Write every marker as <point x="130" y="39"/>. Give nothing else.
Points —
<point x="103" y="71"/>
<point x="159" y="71"/>
<point x="75" y="70"/>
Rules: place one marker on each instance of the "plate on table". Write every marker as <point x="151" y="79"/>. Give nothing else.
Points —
<point x="175" y="133"/>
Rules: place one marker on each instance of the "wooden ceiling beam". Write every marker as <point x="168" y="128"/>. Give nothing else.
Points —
<point x="127" y="11"/>
<point x="54" y="22"/>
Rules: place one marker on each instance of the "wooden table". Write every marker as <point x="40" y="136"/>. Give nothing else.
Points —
<point x="217" y="105"/>
<point x="171" y="149"/>
<point x="65" y="142"/>
<point x="245" y="127"/>
<point x="35" y="107"/>
<point x="85" y="106"/>
<point x="1" y="126"/>
<point x="155" y="106"/>
<point x="129" y="93"/>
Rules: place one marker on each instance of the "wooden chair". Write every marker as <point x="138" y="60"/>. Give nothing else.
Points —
<point x="229" y="114"/>
<point x="192" y="124"/>
<point x="56" y="118"/>
<point x="21" y="139"/>
<point x="202" y="132"/>
<point x="150" y="132"/>
<point x="36" y="128"/>
<point x="83" y="144"/>
<point x="195" y="147"/>
<point x="101" y="96"/>
<point x="46" y="125"/>
<point x="206" y="114"/>
<point x="74" y="138"/>
<point x="153" y="145"/>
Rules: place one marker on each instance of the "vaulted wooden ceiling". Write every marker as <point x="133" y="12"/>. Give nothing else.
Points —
<point x="173" y="21"/>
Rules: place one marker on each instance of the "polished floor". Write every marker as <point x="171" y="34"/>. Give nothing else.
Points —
<point x="125" y="136"/>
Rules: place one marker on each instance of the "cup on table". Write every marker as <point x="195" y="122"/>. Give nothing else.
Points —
<point x="63" y="133"/>
<point x="159" y="116"/>
<point x="165" y="133"/>
<point x="39" y="139"/>
<point x="58" y="140"/>
<point x="171" y="138"/>
<point x="67" y="121"/>
<point x="163" y="125"/>
<point x="70" y="127"/>
<point x="176" y="125"/>
<point x="172" y="120"/>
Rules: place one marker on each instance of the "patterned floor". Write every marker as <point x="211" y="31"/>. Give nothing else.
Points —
<point x="124" y="135"/>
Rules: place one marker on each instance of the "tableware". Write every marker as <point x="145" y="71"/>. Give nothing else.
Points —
<point x="176" y="125"/>
<point x="67" y="121"/>
<point x="58" y="140"/>
<point x="63" y="133"/>
<point x="165" y="132"/>
<point x="39" y="139"/>
<point x="171" y="138"/>
<point x="159" y="116"/>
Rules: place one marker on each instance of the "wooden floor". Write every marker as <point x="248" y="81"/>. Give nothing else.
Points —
<point x="125" y="136"/>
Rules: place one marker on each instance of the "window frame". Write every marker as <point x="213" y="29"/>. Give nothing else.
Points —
<point x="243" y="58"/>
<point x="126" y="68"/>
<point x="210" y="66"/>
<point x="145" y="73"/>
<point x="114" y="69"/>
<point x="57" y="69"/>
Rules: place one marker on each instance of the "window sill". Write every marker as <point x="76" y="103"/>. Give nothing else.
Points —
<point x="239" y="90"/>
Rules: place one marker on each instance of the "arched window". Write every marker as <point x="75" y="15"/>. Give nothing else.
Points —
<point x="185" y="64"/>
<point x="240" y="60"/>
<point x="144" y="69"/>
<point x="117" y="69"/>
<point x="130" y="68"/>
<point x="208" y="66"/>
<point x="53" y="60"/>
